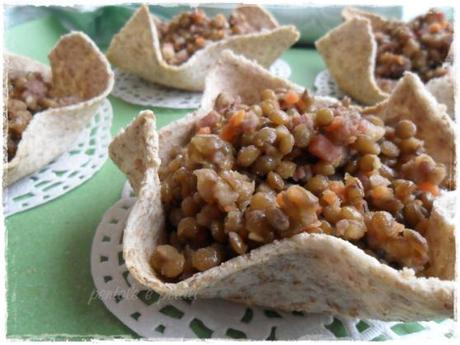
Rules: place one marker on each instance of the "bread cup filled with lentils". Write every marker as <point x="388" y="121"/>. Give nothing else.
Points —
<point x="368" y="54"/>
<point x="268" y="195"/>
<point x="48" y="107"/>
<point x="178" y="53"/>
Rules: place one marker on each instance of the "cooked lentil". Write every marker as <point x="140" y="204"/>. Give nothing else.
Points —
<point x="331" y="170"/>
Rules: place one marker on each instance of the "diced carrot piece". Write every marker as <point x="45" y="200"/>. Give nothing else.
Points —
<point x="227" y="133"/>
<point x="301" y="106"/>
<point x="291" y="98"/>
<point x="238" y="117"/>
<point x="429" y="187"/>
<point x="230" y="130"/>
<point x="336" y="123"/>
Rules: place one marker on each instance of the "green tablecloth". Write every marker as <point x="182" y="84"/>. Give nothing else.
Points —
<point x="48" y="247"/>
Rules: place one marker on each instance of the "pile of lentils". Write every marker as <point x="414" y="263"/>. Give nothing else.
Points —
<point x="28" y="94"/>
<point x="252" y="174"/>
<point x="191" y="31"/>
<point x="421" y="46"/>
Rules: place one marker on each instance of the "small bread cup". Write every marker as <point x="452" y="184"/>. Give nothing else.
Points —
<point x="350" y="53"/>
<point x="136" y="48"/>
<point x="307" y="272"/>
<point x="78" y="69"/>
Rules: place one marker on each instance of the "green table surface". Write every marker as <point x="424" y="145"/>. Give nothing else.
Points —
<point x="49" y="282"/>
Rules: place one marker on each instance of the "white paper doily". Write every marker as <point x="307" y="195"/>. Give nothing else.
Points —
<point x="135" y="90"/>
<point x="67" y="171"/>
<point x="151" y="316"/>
<point x="325" y="85"/>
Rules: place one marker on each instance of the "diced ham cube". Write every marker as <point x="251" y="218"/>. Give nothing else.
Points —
<point x="321" y="147"/>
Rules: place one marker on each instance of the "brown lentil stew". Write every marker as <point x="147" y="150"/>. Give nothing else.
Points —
<point x="420" y="45"/>
<point x="27" y="95"/>
<point x="193" y="30"/>
<point x="252" y="174"/>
